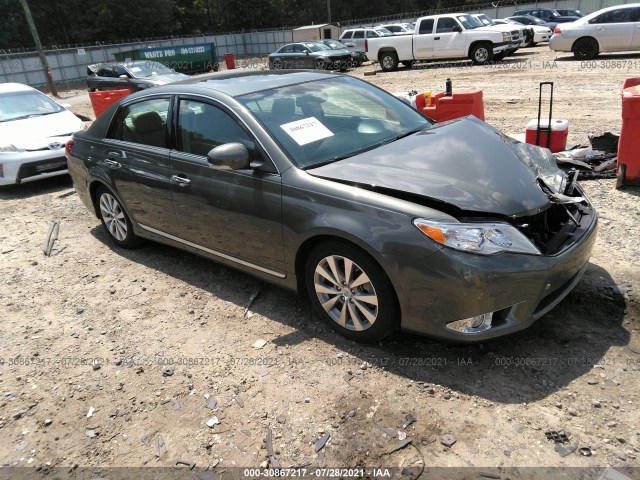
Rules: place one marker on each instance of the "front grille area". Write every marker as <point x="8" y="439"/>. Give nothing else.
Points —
<point x="558" y="227"/>
<point x="43" y="166"/>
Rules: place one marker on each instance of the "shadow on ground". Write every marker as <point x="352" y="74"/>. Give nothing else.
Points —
<point x="532" y="364"/>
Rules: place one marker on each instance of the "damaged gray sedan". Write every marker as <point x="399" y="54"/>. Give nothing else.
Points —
<point x="325" y="184"/>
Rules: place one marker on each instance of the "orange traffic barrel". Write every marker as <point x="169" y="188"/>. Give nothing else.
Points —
<point x="460" y="104"/>
<point x="101" y="100"/>
<point x="629" y="141"/>
<point x="230" y="60"/>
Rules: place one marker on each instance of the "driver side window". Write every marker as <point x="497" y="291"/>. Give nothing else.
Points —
<point x="202" y="126"/>
<point x="446" y="25"/>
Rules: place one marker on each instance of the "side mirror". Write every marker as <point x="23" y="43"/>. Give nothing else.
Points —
<point x="307" y="52"/>
<point x="457" y="28"/>
<point x="123" y="77"/>
<point x="230" y="156"/>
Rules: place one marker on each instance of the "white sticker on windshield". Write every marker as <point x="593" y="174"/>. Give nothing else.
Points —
<point x="135" y="69"/>
<point x="306" y="130"/>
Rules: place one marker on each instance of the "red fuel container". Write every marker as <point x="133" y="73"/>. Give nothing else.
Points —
<point x="629" y="141"/>
<point x="460" y="104"/>
<point x="559" y="134"/>
<point x="100" y="100"/>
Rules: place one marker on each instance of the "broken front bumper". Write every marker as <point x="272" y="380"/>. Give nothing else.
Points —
<point x="452" y="286"/>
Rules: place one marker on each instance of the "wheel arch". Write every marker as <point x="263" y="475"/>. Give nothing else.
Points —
<point x="586" y="37"/>
<point x="475" y="43"/>
<point x="311" y="242"/>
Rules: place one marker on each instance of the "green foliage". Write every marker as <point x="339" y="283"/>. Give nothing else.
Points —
<point x="66" y="22"/>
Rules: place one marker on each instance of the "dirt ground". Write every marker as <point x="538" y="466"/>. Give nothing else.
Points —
<point x="119" y="358"/>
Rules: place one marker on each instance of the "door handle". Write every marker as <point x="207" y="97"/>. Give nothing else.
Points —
<point x="180" y="181"/>
<point x="114" y="154"/>
<point x="110" y="162"/>
<point x="436" y="38"/>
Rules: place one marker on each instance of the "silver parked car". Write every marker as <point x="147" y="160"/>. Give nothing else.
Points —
<point x="612" y="29"/>
<point x="33" y="132"/>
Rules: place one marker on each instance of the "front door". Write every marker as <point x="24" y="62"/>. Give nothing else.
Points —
<point x="235" y="214"/>
<point x="448" y="43"/>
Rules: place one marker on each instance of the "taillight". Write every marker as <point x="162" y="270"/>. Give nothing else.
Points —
<point x="67" y="148"/>
<point x="557" y="31"/>
<point x="366" y="45"/>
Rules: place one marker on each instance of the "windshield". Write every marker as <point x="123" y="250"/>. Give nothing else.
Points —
<point x="469" y="22"/>
<point x="18" y="105"/>
<point x="384" y="32"/>
<point x="316" y="47"/>
<point x="335" y="45"/>
<point x="485" y="20"/>
<point x="325" y="120"/>
<point x="149" y="69"/>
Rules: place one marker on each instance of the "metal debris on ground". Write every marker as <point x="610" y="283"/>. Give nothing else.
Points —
<point x="399" y="446"/>
<point x="52" y="236"/>
<point x="410" y="419"/>
<point x="272" y="458"/>
<point x="212" y="422"/>
<point x="253" y="299"/>
<point x="448" y="440"/>
<point x="159" y="446"/>
<point x="320" y="442"/>
<point x="599" y="160"/>
<point x="557" y="436"/>
<point x="585" y="452"/>
<point x="167" y="372"/>
<point x="565" y="450"/>
<point x="189" y="464"/>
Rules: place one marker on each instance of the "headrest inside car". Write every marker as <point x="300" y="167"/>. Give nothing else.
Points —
<point x="147" y="122"/>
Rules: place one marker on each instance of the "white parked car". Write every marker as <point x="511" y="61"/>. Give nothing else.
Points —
<point x="612" y="29"/>
<point x="540" y="32"/>
<point x="33" y="132"/>
<point x="355" y="37"/>
<point x="397" y="28"/>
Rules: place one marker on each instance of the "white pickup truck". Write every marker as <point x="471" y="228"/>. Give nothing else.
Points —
<point x="440" y="37"/>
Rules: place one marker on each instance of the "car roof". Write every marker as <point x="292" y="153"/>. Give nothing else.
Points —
<point x="241" y="83"/>
<point x="14" y="87"/>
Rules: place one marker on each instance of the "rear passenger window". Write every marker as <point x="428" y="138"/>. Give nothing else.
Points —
<point x="622" y="15"/>
<point x="144" y="122"/>
<point x="358" y="34"/>
<point x="202" y="127"/>
<point x="426" y="26"/>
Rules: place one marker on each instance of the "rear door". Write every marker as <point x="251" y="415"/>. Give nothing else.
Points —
<point x="423" y="40"/>
<point x="358" y="39"/>
<point x="136" y="158"/>
<point x="614" y="29"/>
<point x="235" y="214"/>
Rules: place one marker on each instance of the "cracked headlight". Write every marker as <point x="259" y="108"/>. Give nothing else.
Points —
<point x="482" y="238"/>
<point x="8" y="148"/>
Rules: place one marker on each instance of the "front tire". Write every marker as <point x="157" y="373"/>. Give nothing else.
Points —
<point x="114" y="219"/>
<point x="388" y="61"/>
<point x="585" y="49"/>
<point x="481" y="53"/>
<point x="350" y="291"/>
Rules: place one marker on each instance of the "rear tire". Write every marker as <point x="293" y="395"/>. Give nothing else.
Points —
<point x="114" y="219"/>
<point x="388" y="61"/>
<point x="585" y="49"/>
<point x="481" y="53"/>
<point x="350" y="291"/>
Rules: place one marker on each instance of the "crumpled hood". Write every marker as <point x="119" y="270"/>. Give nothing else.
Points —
<point x="465" y="163"/>
<point x="37" y="133"/>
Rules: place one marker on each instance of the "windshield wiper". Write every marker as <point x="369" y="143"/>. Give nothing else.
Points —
<point x="410" y="132"/>
<point x="31" y="115"/>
